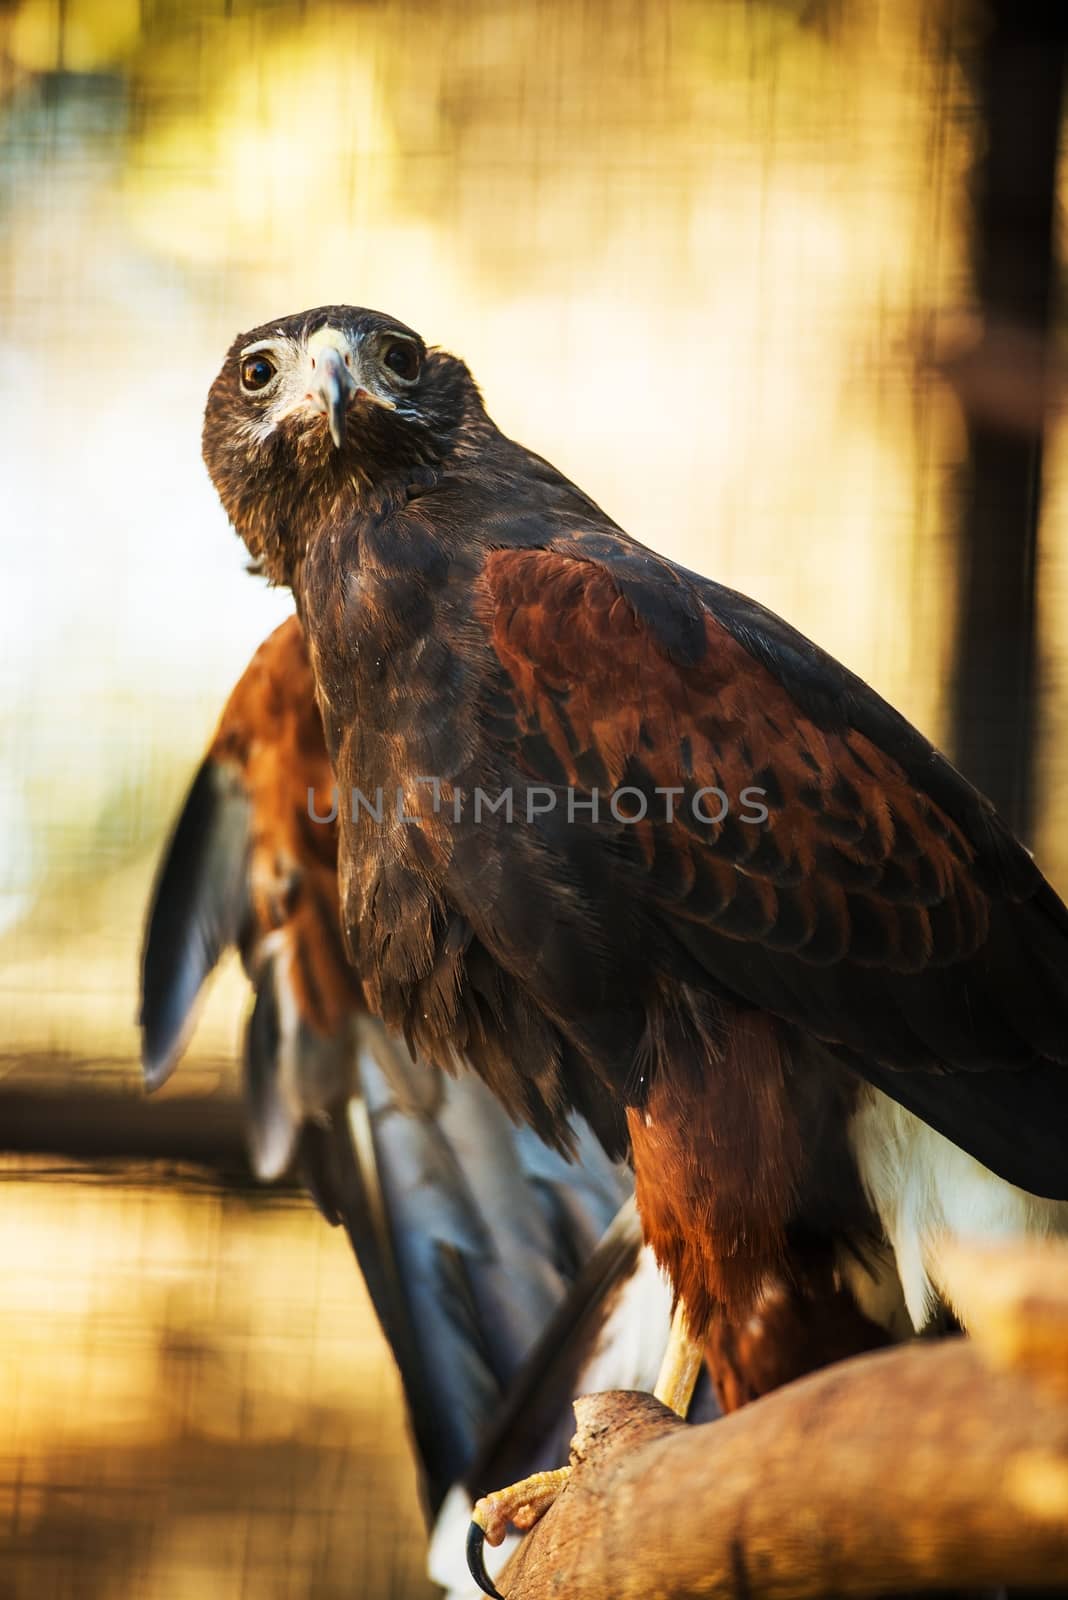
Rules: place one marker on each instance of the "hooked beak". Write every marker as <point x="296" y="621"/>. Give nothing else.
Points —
<point x="332" y="386"/>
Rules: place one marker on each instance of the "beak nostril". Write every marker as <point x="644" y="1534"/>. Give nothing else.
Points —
<point x="330" y="385"/>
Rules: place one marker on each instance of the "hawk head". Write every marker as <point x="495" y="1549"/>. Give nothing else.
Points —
<point x="320" y="409"/>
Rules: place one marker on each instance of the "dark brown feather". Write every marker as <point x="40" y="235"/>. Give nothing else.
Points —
<point x="475" y="617"/>
<point x="793" y="1328"/>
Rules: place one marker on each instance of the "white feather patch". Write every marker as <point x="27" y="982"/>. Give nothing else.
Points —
<point x="926" y="1189"/>
<point x="632" y="1341"/>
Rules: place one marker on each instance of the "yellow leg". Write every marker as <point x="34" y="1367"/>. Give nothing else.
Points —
<point x="680" y="1367"/>
<point x="523" y="1503"/>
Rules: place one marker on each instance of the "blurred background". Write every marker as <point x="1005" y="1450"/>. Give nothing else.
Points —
<point x="775" y="280"/>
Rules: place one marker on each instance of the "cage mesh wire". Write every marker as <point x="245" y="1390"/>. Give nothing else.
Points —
<point x="695" y="254"/>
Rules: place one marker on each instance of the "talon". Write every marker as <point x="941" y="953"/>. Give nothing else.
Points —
<point x="521" y="1505"/>
<point x="476" y="1566"/>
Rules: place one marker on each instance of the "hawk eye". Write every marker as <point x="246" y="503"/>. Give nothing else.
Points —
<point x="403" y="359"/>
<point x="257" y="372"/>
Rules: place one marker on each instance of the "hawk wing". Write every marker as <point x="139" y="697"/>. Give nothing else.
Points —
<point x="248" y="867"/>
<point x="456" y="1223"/>
<point x="468" y="1230"/>
<point x="855" y="885"/>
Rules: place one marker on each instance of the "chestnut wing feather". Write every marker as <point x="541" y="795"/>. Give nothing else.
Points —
<point x="881" y="905"/>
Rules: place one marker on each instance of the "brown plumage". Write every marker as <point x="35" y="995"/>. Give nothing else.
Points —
<point x="250" y="866"/>
<point x="468" y="1231"/>
<point x="791" y="1330"/>
<point x="272" y="733"/>
<point x="753" y="987"/>
<point x="718" y="1240"/>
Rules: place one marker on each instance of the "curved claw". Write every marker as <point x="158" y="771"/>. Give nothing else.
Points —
<point x="476" y="1566"/>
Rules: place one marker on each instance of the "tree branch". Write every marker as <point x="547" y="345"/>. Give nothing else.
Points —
<point x="931" y="1465"/>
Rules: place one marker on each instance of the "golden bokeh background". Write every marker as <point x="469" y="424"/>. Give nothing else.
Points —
<point x="700" y="253"/>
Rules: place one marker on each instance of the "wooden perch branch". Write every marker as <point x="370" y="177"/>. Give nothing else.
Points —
<point x="928" y="1466"/>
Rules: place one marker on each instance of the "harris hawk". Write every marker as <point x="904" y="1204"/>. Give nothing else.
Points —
<point x="635" y="848"/>
<point x="471" y="1234"/>
<point x="503" y="1277"/>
